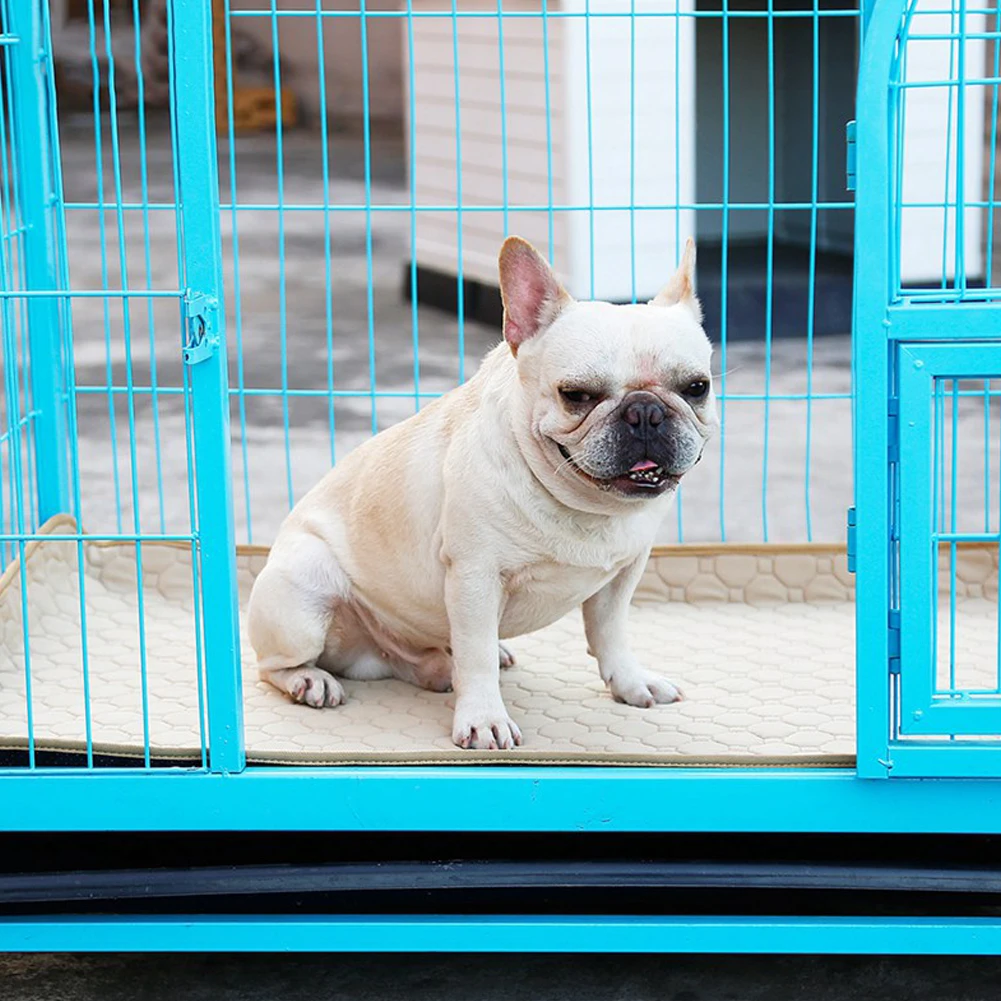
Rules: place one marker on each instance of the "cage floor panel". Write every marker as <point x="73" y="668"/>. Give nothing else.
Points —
<point x="760" y="639"/>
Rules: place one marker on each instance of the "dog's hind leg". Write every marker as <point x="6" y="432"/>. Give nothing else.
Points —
<point x="289" y="618"/>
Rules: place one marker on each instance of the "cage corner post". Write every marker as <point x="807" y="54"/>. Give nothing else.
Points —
<point x="30" y="62"/>
<point x="206" y="360"/>
<point x="872" y="384"/>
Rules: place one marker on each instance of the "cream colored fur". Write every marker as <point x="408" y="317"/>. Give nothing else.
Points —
<point x="468" y="523"/>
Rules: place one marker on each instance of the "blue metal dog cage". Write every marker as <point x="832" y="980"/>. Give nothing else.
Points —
<point x="924" y="371"/>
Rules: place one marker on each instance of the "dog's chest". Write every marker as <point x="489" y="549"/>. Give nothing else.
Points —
<point x="537" y="594"/>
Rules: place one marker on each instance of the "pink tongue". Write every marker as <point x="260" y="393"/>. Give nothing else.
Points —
<point x="641" y="467"/>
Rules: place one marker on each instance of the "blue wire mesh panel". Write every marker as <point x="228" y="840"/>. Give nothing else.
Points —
<point x="949" y="654"/>
<point x="358" y="239"/>
<point x="606" y="134"/>
<point x="927" y="369"/>
<point x="99" y="212"/>
<point x="946" y="104"/>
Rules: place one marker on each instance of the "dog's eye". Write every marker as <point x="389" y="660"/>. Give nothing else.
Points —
<point x="577" y="396"/>
<point x="696" y="390"/>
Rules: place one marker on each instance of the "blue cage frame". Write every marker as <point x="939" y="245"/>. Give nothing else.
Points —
<point x="896" y="787"/>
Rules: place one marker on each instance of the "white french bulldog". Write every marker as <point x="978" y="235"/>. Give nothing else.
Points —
<point x="535" y="487"/>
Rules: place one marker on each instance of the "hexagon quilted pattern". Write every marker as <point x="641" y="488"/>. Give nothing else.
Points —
<point x="760" y="640"/>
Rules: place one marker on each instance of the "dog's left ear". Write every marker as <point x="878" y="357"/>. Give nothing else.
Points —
<point x="681" y="287"/>
<point x="533" y="296"/>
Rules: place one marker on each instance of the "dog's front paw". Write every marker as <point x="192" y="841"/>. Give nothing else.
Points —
<point x="639" y="687"/>
<point x="311" y="686"/>
<point x="484" y="727"/>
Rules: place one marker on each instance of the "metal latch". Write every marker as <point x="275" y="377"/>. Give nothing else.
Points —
<point x="850" y="156"/>
<point x="201" y="327"/>
<point x="851" y="540"/>
<point x="894" y="641"/>
<point x="893" y="429"/>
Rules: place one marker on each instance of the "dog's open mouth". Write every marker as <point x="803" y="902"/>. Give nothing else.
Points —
<point x="644" y="477"/>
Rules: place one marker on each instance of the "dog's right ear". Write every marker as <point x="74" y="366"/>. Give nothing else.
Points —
<point x="532" y="294"/>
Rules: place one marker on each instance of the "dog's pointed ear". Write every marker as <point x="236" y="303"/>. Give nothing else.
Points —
<point x="681" y="287"/>
<point x="533" y="296"/>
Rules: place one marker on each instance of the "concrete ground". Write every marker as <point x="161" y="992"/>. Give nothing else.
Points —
<point x="321" y="977"/>
<point x="310" y="324"/>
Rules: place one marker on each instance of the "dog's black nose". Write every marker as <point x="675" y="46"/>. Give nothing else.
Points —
<point x="642" y="411"/>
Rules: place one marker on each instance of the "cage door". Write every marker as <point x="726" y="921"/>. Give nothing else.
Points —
<point x="949" y="521"/>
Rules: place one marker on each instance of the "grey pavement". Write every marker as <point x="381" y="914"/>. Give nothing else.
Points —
<point x="291" y="333"/>
<point x="330" y="977"/>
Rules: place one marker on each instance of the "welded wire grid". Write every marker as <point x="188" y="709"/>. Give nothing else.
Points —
<point x="512" y="116"/>
<point x="511" y="113"/>
<point x="945" y="89"/>
<point x="966" y="450"/>
<point x="97" y="240"/>
<point x="18" y="498"/>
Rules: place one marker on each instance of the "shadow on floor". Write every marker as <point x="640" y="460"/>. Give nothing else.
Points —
<point x="320" y="976"/>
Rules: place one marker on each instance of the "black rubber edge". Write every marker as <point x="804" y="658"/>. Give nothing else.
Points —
<point x="333" y="878"/>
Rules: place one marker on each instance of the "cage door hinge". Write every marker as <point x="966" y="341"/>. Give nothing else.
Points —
<point x="201" y="327"/>
<point x="894" y="641"/>
<point x="850" y="156"/>
<point x="850" y="539"/>
<point x="893" y="429"/>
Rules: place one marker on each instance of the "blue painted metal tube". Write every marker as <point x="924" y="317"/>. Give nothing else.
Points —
<point x="546" y="207"/>
<point x="506" y="798"/>
<point x="622" y="14"/>
<point x="191" y="46"/>
<point x="29" y="69"/>
<point x="724" y="267"/>
<point x="514" y="934"/>
<point x="871" y="379"/>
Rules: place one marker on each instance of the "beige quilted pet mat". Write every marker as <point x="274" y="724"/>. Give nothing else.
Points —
<point x="760" y="640"/>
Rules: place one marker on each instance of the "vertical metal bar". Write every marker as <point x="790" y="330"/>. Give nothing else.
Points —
<point x="632" y="147"/>
<point x="366" y="103"/>
<point x="196" y="588"/>
<point x="116" y="173"/>
<point x="590" y="144"/>
<point x="328" y="288"/>
<point x="948" y="145"/>
<point x="770" y="266"/>
<point x="460" y="283"/>
<point x="74" y="441"/>
<point x="871" y="374"/>
<point x="953" y="504"/>
<point x="13" y="409"/>
<point x="147" y="257"/>
<point x="549" y="133"/>
<point x="103" y="240"/>
<point x="199" y="201"/>
<point x="811" y="285"/>
<point x="282" y="284"/>
<point x="993" y="140"/>
<point x="987" y="455"/>
<point x="938" y="504"/>
<point x="960" y="239"/>
<point x="724" y="267"/>
<point x="505" y="208"/>
<point x="30" y="66"/>
<point x="997" y="614"/>
<point x="415" y="331"/>
<point x="10" y="246"/>
<point x="679" y="496"/>
<point x="234" y="223"/>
